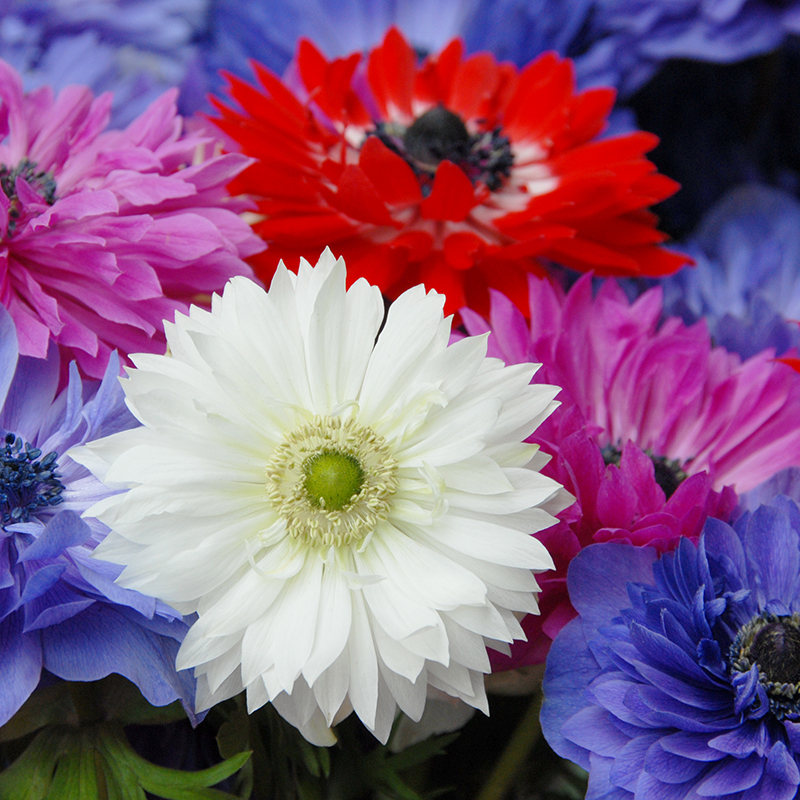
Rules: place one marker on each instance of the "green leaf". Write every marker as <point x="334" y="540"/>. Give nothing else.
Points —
<point x="421" y="752"/>
<point x="169" y="784"/>
<point x="123" y="701"/>
<point x="49" y="706"/>
<point x="31" y="775"/>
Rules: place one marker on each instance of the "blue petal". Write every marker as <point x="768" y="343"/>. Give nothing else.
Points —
<point x="598" y="578"/>
<point x="65" y="529"/>
<point x="650" y="788"/>
<point x="20" y="665"/>
<point x="101" y="641"/>
<point x="629" y="763"/>
<point x="781" y="764"/>
<point x="750" y="737"/>
<point x="732" y="775"/>
<point x="669" y="767"/>
<point x="40" y="579"/>
<point x="30" y="395"/>
<point x="773" y="556"/>
<point x="570" y="668"/>
<point x="592" y="728"/>
<point x="54" y="606"/>
<point x="691" y="745"/>
<point x="9" y="352"/>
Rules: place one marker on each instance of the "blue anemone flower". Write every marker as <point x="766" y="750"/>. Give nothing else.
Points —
<point x="643" y="34"/>
<point x="136" y="49"/>
<point x="747" y="278"/>
<point x="60" y="609"/>
<point x="513" y="30"/>
<point x="680" y="678"/>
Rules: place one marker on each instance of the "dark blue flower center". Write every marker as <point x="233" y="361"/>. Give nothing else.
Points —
<point x="772" y="643"/>
<point x="28" y="481"/>
<point x="668" y="474"/>
<point x="439" y="135"/>
<point x="42" y="182"/>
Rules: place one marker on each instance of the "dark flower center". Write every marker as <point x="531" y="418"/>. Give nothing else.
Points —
<point x="42" y="182"/>
<point x="772" y="643"/>
<point x="668" y="473"/>
<point x="440" y="135"/>
<point x="28" y="482"/>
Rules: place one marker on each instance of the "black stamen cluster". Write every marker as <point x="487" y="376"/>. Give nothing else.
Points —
<point x="440" y="135"/>
<point x="43" y="182"/>
<point x="27" y="481"/>
<point x="668" y="473"/>
<point x="772" y="643"/>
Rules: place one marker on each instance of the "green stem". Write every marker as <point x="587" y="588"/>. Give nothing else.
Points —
<point x="86" y="701"/>
<point x="517" y="750"/>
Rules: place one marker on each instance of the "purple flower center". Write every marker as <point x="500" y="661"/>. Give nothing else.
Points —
<point x="439" y="135"/>
<point x="772" y="644"/>
<point x="28" y="482"/>
<point x="41" y="182"/>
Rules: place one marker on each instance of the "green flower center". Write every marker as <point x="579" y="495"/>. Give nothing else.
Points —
<point x="332" y="479"/>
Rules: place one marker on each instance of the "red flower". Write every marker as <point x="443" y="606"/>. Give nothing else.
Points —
<point x="459" y="173"/>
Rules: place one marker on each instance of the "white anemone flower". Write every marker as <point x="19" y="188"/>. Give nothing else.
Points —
<point x="349" y="513"/>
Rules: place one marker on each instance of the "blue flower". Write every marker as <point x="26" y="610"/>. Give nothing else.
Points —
<point x="135" y="48"/>
<point x="747" y="278"/>
<point x="644" y="33"/>
<point x="514" y="30"/>
<point x="680" y="678"/>
<point x="60" y="609"/>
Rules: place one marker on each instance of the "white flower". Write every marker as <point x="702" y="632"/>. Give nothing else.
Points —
<point x="349" y="518"/>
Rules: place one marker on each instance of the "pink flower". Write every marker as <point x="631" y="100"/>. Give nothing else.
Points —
<point x="662" y="386"/>
<point x="104" y="234"/>
<point x="645" y="407"/>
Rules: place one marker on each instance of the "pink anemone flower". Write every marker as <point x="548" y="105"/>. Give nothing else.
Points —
<point x="691" y="406"/>
<point x="106" y="233"/>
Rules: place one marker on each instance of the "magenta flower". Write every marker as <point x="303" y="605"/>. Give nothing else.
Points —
<point x="621" y="503"/>
<point x="693" y="407"/>
<point x="105" y="234"/>
<point x="655" y="426"/>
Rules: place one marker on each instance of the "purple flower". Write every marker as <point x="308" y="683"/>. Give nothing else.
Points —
<point x="107" y="233"/>
<point x="60" y="609"/>
<point x="747" y="279"/>
<point x="135" y="48"/>
<point x="679" y="677"/>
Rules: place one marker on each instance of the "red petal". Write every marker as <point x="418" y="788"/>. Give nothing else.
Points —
<point x="275" y="88"/>
<point x="417" y="244"/>
<point x="390" y="174"/>
<point x="452" y="196"/>
<point x="434" y="81"/>
<point x="358" y="198"/>
<point x="309" y="230"/>
<point x="311" y="63"/>
<point x="791" y="361"/>
<point x="588" y="117"/>
<point x="462" y="249"/>
<point x="391" y="71"/>
<point x="475" y="82"/>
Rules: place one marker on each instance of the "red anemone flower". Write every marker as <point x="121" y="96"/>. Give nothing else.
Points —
<point x="459" y="173"/>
